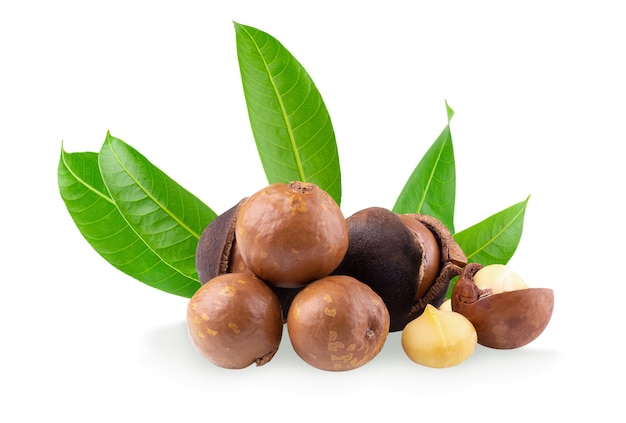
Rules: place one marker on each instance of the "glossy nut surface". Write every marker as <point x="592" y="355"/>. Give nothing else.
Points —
<point x="234" y="320"/>
<point x="217" y="253"/>
<point x="337" y="323"/>
<point x="291" y="234"/>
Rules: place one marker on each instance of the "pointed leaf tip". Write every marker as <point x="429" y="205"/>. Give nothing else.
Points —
<point x="495" y="239"/>
<point x="449" y="111"/>
<point x="431" y="188"/>
<point x="100" y="222"/>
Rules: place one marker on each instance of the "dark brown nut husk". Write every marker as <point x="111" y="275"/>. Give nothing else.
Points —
<point x="504" y="320"/>
<point x="235" y="320"/>
<point x="285" y="296"/>
<point x="337" y="323"/>
<point x="409" y="260"/>
<point x="291" y="234"/>
<point x="217" y="252"/>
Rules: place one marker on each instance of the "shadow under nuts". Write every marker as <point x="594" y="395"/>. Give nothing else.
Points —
<point x="409" y="260"/>
<point x="503" y="320"/>
<point x="235" y="320"/>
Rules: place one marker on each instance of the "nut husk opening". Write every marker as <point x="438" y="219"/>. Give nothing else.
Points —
<point x="451" y="252"/>
<point x="453" y="260"/>
<point x="506" y="320"/>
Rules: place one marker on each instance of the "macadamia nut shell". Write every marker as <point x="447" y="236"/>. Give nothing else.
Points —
<point x="234" y="320"/>
<point x="506" y="320"/>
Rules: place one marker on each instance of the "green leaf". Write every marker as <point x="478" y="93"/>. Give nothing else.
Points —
<point x="431" y="188"/>
<point x="290" y="123"/>
<point x="165" y="216"/>
<point x="100" y="222"/>
<point x="495" y="239"/>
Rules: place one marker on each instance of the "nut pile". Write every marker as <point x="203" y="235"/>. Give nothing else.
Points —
<point x="287" y="255"/>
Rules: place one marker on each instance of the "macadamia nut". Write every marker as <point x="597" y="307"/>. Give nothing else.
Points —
<point x="439" y="338"/>
<point x="499" y="278"/>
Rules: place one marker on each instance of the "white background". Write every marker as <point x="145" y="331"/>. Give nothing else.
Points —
<point x="538" y="90"/>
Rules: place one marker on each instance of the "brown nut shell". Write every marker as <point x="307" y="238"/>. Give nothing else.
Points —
<point x="234" y="320"/>
<point x="337" y="323"/>
<point x="506" y="320"/>
<point x="291" y="234"/>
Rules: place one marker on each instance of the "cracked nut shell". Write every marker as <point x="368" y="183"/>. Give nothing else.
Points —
<point x="235" y="320"/>
<point x="392" y="254"/>
<point x="217" y="252"/>
<point x="506" y="320"/>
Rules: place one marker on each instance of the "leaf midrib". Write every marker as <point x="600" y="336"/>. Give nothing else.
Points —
<point x="82" y="181"/>
<point x="283" y="110"/>
<point x="492" y="239"/>
<point x="434" y="168"/>
<point x="148" y="194"/>
<point x="110" y="200"/>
